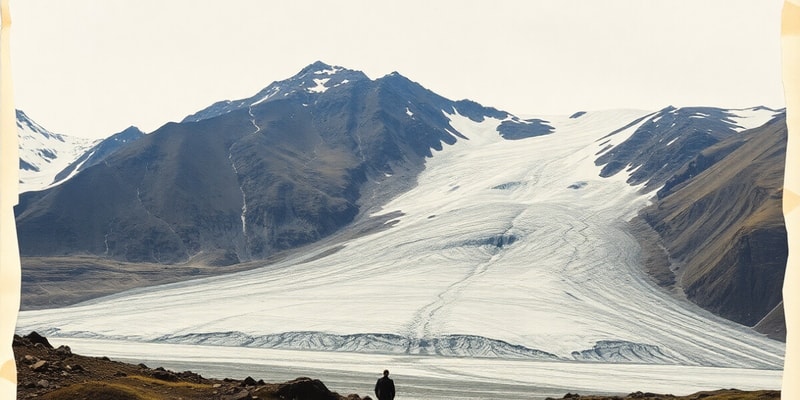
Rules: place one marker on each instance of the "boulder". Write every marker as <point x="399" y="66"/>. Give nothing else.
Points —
<point x="64" y="351"/>
<point x="249" y="381"/>
<point x="164" y="375"/>
<point x="305" y="389"/>
<point x="35" y="338"/>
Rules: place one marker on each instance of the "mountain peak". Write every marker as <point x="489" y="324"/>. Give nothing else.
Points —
<point x="128" y="134"/>
<point x="26" y="123"/>
<point x="321" y="68"/>
<point x="131" y="129"/>
<point x="21" y="114"/>
<point x="314" y="79"/>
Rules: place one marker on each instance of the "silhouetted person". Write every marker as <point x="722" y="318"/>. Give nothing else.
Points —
<point x="384" y="388"/>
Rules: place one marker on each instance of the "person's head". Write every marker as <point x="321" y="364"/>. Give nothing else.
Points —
<point x="386" y="372"/>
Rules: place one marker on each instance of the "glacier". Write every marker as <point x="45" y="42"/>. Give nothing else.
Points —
<point x="505" y="251"/>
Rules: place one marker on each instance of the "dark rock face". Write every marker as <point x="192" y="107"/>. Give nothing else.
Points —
<point x="721" y="216"/>
<point x="745" y="284"/>
<point x="523" y="129"/>
<point x="101" y="151"/>
<point x="577" y="114"/>
<point x="698" y="164"/>
<point x="242" y="180"/>
<point x="665" y="143"/>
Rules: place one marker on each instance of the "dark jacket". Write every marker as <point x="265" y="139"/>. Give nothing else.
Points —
<point x="384" y="388"/>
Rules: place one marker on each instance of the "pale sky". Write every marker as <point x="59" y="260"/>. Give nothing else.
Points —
<point x="92" y="68"/>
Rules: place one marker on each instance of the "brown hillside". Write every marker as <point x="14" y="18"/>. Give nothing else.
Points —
<point x="726" y="227"/>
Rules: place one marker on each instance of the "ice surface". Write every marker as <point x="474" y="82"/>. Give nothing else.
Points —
<point x="502" y="246"/>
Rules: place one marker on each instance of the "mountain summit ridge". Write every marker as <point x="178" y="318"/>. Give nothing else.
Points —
<point x="316" y="77"/>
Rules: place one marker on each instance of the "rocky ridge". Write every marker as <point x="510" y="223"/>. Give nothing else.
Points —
<point x="45" y="372"/>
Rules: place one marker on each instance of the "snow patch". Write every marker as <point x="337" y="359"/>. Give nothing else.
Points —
<point x="749" y="118"/>
<point x="272" y="93"/>
<point x="330" y="71"/>
<point x="342" y="82"/>
<point x="320" y="87"/>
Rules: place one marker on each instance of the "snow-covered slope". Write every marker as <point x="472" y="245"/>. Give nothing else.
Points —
<point x="43" y="154"/>
<point x="503" y="249"/>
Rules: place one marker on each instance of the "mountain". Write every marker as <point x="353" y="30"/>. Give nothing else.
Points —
<point x="721" y="223"/>
<point x="243" y="180"/>
<point x="718" y="178"/>
<point x="47" y="158"/>
<point x="447" y="227"/>
<point x="43" y="154"/>
<point x="511" y="249"/>
<point x="664" y="142"/>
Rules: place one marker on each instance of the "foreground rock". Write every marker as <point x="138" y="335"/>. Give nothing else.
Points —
<point x="45" y="372"/>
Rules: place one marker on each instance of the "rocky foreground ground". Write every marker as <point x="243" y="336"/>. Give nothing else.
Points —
<point x="48" y="373"/>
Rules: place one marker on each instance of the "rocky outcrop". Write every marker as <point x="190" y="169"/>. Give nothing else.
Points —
<point x="664" y="143"/>
<point x="59" y="374"/>
<point x="306" y="388"/>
